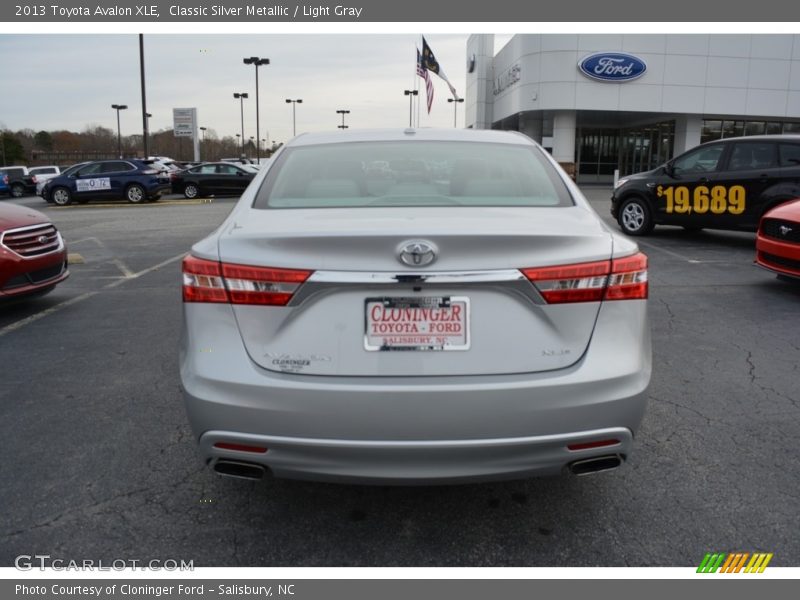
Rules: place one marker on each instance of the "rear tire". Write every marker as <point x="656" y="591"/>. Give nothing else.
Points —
<point x="135" y="194"/>
<point x="17" y="190"/>
<point x="634" y="217"/>
<point x="191" y="191"/>
<point x="61" y="196"/>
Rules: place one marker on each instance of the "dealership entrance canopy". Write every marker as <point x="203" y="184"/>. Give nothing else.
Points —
<point x="631" y="102"/>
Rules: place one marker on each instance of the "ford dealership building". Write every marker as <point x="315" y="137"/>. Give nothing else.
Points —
<point x="631" y="102"/>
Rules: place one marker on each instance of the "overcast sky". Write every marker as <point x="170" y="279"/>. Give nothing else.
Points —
<point x="71" y="81"/>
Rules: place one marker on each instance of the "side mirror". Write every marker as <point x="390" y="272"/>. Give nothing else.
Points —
<point x="669" y="169"/>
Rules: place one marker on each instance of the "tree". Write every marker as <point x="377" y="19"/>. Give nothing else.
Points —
<point x="11" y="149"/>
<point x="43" y="141"/>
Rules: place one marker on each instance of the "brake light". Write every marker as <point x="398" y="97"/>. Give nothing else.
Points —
<point x="618" y="279"/>
<point x="33" y="178"/>
<point x="212" y="281"/>
<point x="628" y="280"/>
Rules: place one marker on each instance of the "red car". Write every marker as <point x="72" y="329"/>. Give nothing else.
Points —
<point x="778" y="240"/>
<point x="33" y="256"/>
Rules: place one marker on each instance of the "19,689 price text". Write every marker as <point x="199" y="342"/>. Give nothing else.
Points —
<point x="716" y="200"/>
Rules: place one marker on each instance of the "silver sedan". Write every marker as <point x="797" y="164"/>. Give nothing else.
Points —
<point x="414" y="307"/>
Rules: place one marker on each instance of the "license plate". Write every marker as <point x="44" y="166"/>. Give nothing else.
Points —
<point x="424" y="323"/>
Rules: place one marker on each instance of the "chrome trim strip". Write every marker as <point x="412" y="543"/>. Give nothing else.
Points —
<point x="442" y="277"/>
<point x="59" y="248"/>
<point x="508" y="280"/>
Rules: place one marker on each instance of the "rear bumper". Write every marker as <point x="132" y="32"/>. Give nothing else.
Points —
<point x="409" y="463"/>
<point x="414" y="429"/>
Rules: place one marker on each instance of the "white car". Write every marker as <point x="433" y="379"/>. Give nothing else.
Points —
<point x="44" y="174"/>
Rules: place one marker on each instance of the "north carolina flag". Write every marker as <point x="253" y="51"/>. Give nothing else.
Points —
<point x="431" y="64"/>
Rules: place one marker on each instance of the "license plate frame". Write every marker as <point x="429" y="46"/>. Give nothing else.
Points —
<point x="456" y="312"/>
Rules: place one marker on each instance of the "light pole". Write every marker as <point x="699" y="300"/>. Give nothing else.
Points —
<point x="119" y="107"/>
<point x="343" y="113"/>
<point x="203" y="130"/>
<point x="410" y="94"/>
<point x="147" y="116"/>
<point x="294" y="104"/>
<point x="241" y="98"/>
<point x="254" y="60"/>
<point x="455" y="102"/>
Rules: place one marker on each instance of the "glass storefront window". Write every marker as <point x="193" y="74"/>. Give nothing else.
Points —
<point x="773" y="128"/>
<point x="754" y="128"/>
<point x="712" y="130"/>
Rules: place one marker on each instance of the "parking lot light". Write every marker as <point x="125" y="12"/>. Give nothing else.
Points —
<point x="241" y="97"/>
<point x="455" y="102"/>
<point x="119" y="107"/>
<point x="257" y="62"/>
<point x="294" y="104"/>
<point x="342" y="112"/>
<point x="410" y="94"/>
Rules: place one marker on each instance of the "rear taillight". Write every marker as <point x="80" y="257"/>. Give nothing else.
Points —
<point x="618" y="279"/>
<point x="33" y="178"/>
<point x="211" y="281"/>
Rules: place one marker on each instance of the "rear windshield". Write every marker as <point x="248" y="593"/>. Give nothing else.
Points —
<point x="411" y="173"/>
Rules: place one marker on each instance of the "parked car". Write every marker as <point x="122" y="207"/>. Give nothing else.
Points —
<point x="213" y="178"/>
<point x="4" y="184"/>
<point x="413" y="330"/>
<point x="238" y="161"/>
<point x="20" y="181"/>
<point x="131" y="179"/>
<point x="44" y="174"/>
<point x="726" y="184"/>
<point x="33" y="256"/>
<point x="778" y="240"/>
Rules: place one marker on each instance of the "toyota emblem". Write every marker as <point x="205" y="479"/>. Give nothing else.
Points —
<point x="42" y="239"/>
<point x="416" y="253"/>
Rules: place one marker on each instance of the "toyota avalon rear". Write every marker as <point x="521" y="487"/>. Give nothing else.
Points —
<point x="458" y="314"/>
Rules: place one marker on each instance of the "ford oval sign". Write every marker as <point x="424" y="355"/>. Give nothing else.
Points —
<point x="612" y="66"/>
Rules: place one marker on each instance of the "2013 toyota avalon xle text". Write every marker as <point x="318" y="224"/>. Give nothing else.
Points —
<point x="414" y="306"/>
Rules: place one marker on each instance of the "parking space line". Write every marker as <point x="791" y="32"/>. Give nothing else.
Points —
<point x="49" y="311"/>
<point x="123" y="267"/>
<point x="670" y="252"/>
<point x="145" y="271"/>
<point x="40" y="315"/>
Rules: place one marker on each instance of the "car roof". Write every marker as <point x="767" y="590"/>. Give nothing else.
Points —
<point x="793" y="137"/>
<point x="383" y="135"/>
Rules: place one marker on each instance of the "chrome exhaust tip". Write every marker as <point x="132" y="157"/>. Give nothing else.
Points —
<point x="239" y="470"/>
<point x="596" y="464"/>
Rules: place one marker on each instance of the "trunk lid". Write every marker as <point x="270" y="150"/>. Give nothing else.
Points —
<point x="358" y="282"/>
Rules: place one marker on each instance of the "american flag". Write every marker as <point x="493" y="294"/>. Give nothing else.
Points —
<point x="423" y="72"/>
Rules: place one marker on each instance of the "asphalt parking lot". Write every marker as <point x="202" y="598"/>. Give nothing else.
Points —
<point x="99" y="462"/>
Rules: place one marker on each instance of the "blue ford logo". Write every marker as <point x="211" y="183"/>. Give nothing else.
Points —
<point x="612" y="66"/>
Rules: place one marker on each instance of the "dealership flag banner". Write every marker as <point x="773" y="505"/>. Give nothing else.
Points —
<point x="423" y="72"/>
<point x="431" y="64"/>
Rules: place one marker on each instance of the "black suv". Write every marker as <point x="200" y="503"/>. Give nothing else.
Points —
<point x="725" y="184"/>
<point x="20" y="182"/>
